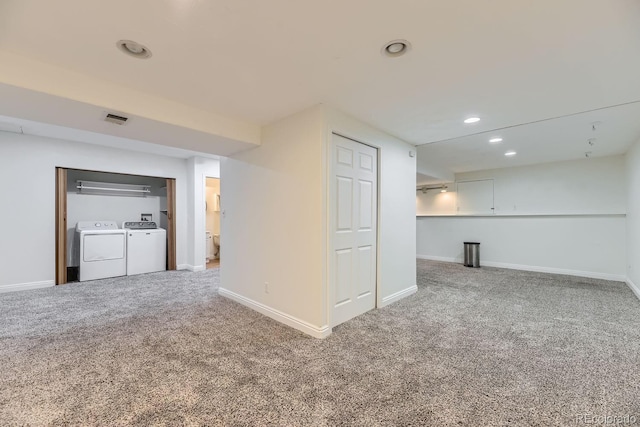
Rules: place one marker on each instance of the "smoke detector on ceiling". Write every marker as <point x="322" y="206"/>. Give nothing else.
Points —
<point x="116" y="119"/>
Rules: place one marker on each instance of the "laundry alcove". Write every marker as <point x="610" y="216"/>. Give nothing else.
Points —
<point x="83" y="195"/>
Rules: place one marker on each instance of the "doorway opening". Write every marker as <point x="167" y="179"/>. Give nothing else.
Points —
<point x="212" y="222"/>
<point x="112" y="201"/>
<point x="353" y="225"/>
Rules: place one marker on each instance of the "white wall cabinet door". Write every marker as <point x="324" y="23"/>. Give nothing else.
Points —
<point x="353" y="228"/>
<point x="475" y="197"/>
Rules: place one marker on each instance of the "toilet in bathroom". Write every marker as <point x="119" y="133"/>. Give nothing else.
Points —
<point x="216" y="246"/>
<point x="213" y="246"/>
<point x="209" y="245"/>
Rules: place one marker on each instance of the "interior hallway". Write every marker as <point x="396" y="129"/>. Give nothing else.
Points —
<point x="473" y="346"/>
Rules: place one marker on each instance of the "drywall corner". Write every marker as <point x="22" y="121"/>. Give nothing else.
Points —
<point x="271" y="223"/>
<point x="398" y="296"/>
<point x="634" y="288"/>
<point x="633" y="213"/>
<point x="397" y="205"/>
<point x="291" y="321"/>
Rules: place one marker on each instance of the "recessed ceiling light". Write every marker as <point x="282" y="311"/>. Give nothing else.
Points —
<point x="396" y="48"/>
<point x="472" y="120"/>
<point x="510" y="153"/>
<point x="495" y="140"/>
<point x="134" y="49"/>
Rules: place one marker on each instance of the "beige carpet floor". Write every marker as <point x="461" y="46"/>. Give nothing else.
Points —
<point x="474" y="347"/>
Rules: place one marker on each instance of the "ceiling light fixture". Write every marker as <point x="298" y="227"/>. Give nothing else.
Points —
<point x="495" y="140"/>
<point x="396" y="48"/>
<point x="134" y="49"/>
<point x="510" y="153"/>
<point x="425" y="188"/>
<point x="472" y="120"/>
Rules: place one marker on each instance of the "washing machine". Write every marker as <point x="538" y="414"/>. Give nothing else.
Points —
<point x="146" y="247"/>
<point x="102" y="250"/>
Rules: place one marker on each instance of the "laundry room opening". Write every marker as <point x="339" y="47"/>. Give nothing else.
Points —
<point x="111" y="224"/>
<point x="212" y="222"/>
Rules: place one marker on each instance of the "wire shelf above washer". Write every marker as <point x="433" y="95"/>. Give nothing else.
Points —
<point x="112" y="189"/>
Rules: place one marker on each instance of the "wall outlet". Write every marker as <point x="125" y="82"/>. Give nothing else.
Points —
<point x="266" y="287"/>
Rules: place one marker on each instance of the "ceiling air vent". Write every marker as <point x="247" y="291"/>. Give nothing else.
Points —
<point x="116" y="119"/>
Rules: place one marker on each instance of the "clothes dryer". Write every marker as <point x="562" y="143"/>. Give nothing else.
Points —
<point x="146" y="247"/>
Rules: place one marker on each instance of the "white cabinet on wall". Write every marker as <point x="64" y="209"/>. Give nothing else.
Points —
<point x="475" y="197"/>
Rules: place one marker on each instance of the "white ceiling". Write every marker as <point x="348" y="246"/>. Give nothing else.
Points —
<point x="252" y="61"/>
<point x="565" y="138"/>
<point x="28" y="127"/>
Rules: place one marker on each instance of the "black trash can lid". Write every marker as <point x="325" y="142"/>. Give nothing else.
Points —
<point x="471" y="243"/>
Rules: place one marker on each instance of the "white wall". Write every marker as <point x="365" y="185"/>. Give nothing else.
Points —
<point x="565" y="217"/>
<point x="592" y="246"/>
<point x="586" y="186"/>
<point x="198" y="169"/>
<point x="633" y="217"/>
<point x="433" y="202"/>
<point x="272" y="228"/>
<point x="396" y="217"/>
<point x="27" y="180"/>
<point x="275" y="221"/>
<point x="589" y="186"/>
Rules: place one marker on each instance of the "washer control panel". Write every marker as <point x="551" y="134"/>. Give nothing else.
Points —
<point x="140" y="225"/>
<point x="96" y="225"/>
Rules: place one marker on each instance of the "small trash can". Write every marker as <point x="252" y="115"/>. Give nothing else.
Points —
<point x="472" y="254"/>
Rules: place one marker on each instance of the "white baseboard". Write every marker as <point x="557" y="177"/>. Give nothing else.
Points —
<point x="188" y="267"/>
<point x="27" y="286"/>
<point x="301" y="325"/>
<point x="438" y="258"/>
<point x="552" y="270"/>
<point x="566" y="272"/>
<point x="398" y="296"/>
<point x="634" y="287"/>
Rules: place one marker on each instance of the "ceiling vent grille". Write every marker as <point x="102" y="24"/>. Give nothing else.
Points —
<point x="116" y="119"/>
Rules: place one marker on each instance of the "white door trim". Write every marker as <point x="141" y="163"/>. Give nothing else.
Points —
<point x="330" y="268"/>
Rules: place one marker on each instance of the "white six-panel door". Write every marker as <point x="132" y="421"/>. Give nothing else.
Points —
<point x="353" y="228"/>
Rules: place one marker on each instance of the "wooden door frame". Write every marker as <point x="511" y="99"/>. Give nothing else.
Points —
<point x="61" y="226"/>
<point x="61" y="222"/>
<point x="171" y="224"/>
